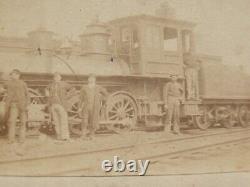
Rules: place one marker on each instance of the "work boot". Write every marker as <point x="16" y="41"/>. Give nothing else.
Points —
<point x="167" y="128"/>
<point x="176" y="129"/>
<point x="21" y="140"/>
<point x="90" y="135"/>
<point x="68" y="140"/>
<point x="86" y="136"/>
<point x="11" y="141"/>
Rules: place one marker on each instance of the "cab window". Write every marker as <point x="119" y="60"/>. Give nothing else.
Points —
<point x="152" y="36"/>
<point x="125" y="34"/>
<point x="170" y="42"/>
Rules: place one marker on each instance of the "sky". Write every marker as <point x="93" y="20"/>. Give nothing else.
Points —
<point x="223" y="26"/>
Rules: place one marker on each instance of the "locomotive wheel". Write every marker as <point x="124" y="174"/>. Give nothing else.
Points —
<point x="244" y="116"/>
<point x="227" y="116"/>
<point x="3" y="127"/>
<point x="2" y="111"/>
<point x="228" y="123"/>
<point x="203" y="121"/>
<point x="36" y="97"/>
<point x="73" y="115"/>
<point x="37" y="113"/>
<point x="122" y="111"/>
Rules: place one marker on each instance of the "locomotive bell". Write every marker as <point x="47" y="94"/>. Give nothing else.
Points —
<point x="94" y="41"/>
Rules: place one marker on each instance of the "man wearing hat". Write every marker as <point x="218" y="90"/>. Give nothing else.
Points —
<point x="172" y="93"/>
<point x="17" y="101"/>
<point x="90" y="105"/>
<point x="57" y="94"/>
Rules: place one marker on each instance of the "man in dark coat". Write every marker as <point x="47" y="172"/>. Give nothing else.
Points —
<point x="17" y="101"/>
<point x="172" y="95"/>
<point x="57" y="93"/>
<point x="90" y="105"/>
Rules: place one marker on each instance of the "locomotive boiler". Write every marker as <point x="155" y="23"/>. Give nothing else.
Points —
<point x="133" y="57"/>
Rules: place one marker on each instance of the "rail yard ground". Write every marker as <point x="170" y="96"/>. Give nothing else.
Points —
<point x="194" y="151"/>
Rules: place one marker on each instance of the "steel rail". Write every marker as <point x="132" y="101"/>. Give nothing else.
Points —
<point x="121" y="147"/>
<point x="154" y="158"/>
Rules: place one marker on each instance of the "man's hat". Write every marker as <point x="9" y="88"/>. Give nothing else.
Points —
<point x="16" y="71"/>
<point x="56" y="73"/>
<point x="92" y="76"/>
<point x="173" y="75"/>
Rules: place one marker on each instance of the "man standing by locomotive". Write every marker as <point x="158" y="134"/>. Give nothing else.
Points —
<point x="17" y="101"/>
<point x="57" y="100"/>
<point x="90" y="105"/>
<point x="172" y="93"/>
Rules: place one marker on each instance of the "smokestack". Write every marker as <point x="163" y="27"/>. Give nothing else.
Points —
<point x="94" y="41"/>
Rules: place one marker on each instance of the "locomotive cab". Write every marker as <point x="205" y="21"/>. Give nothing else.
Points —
<point x="153" y="45"/>
<point x="156" y="47"/>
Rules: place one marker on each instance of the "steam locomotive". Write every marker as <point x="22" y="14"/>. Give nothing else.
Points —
<point x="133" y="57"/>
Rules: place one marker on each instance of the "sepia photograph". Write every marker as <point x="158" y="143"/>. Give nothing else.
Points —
<point x="125" y="88"/>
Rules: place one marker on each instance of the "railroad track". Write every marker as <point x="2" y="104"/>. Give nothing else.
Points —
<point x="125" y="147"/>
<point x="153" y="151"/>
<point x="156" y="158"/>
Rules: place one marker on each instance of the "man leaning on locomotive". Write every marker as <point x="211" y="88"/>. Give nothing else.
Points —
<point x="57" y="96"/>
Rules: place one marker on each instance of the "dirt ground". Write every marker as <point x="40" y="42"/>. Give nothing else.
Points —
<point x="44" y="145"/>
<point x="227" y="158"/>
<point x="222" y="159"/>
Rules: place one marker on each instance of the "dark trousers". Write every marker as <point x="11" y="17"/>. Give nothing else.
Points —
<point x="14" y="113"/>
<point x="90" y="119"/>
<point x="60" y="118"/>
<point x="173" y="113"/>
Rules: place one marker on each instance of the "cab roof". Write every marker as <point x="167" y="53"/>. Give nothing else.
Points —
<point x="155" y="19"/>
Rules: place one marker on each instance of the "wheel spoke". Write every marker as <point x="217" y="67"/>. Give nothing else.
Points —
<point x="131" y="115"/>
<point x="113" y="110"/>
<point x="121" y="107"/>
<point x="120" y="103"/>
<point x="74" y="107"/>
<point x="127" y="104"/>
<point x="128" y="110"/>
<point x="123" y="102"/>
<point x="113" y="117"/>
<point x="115" y="106"/>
